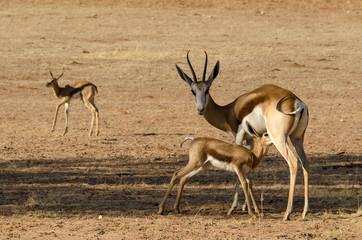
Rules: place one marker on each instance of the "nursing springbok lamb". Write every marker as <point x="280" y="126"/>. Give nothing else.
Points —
<point x="207" y="152"/>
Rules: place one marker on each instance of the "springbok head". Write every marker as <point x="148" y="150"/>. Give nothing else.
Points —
<point x="199" y="89"/>
<point x="53" y="79"/>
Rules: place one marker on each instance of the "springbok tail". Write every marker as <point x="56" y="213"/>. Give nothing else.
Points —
<point x="299" y="109"/>
<point x="187" y="138"/>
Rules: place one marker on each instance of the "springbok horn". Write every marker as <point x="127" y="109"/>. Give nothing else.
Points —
<point x="192" y="70"/>
<point x="204" y="74"/>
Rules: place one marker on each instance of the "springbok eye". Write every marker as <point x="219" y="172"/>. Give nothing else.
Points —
<point x="266" y="135"/>
<point x="193" y="92"/>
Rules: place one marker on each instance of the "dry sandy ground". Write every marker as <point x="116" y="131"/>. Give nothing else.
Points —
<point x="109" y="187"/>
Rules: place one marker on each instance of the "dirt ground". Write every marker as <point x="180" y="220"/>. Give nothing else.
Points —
<point x="110" y="186"/>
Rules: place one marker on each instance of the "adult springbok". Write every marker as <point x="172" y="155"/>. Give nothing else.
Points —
<point x="84" y="90"/>
<point x="268" y="108"/>
<point x="207" y="152"/>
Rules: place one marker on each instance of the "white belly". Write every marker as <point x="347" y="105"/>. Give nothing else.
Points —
<point x="257" y="120"/>
<point x="220" y="164"/>
<point x="76" y="95"/>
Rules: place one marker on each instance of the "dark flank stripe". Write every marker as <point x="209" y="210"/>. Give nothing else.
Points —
<point x="218" y="156"/>
<point x="74" y="90"/>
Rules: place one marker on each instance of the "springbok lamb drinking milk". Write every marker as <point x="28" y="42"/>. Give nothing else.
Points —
<point x="207" y="152"/>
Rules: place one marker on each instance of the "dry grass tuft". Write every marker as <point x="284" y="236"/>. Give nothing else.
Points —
<point x="33" y="201"/>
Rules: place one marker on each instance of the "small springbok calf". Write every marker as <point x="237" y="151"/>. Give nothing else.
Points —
<point x="80" y="89"/>
<point x="207" y="152"/>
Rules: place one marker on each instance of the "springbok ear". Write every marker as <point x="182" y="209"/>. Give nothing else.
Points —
<point x="183" y="75"/>
<point x="214" y="73"/>
<point x="60" y="75"/>
<point x="51" y="74"/>
<point x="252" y="130"/>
